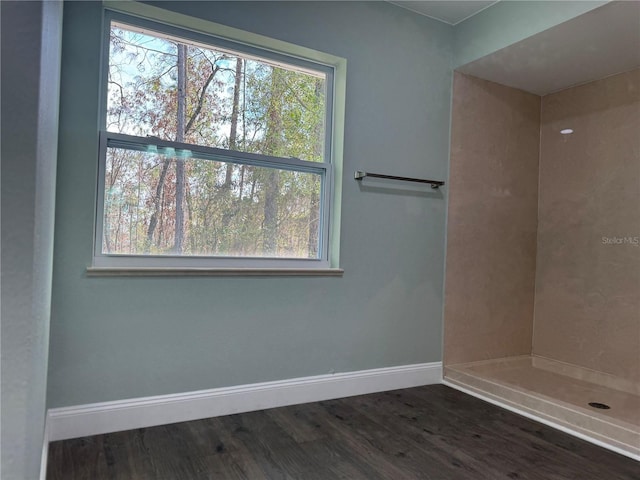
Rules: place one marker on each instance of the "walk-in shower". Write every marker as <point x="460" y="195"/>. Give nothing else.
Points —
<point x="542" y="302"/>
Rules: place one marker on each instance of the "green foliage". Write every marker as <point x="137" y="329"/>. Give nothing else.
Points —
<point x="230" y="209"/>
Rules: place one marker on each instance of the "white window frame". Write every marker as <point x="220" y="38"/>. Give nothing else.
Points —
<point x="329" y="218"/>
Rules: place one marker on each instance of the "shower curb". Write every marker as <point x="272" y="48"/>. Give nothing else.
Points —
<point x="601" y="441"/>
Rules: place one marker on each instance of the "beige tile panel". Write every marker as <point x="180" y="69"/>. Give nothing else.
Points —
<point x="587" y="302"/>
<point x="492" y="215"/>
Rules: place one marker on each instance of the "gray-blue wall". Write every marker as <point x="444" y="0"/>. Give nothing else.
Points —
<point x="31" y="33"/>
<point x="115" y="338"/>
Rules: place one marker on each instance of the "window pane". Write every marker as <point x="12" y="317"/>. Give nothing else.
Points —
<point x="186" y="92"/>
<point x="223" y="209"/>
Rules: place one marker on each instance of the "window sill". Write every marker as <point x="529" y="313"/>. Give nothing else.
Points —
<point x="212" y="272"/>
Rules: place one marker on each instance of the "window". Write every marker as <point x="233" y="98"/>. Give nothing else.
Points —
<point x="212" y="153"/>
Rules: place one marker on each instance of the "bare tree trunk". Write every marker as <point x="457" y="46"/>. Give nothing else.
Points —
<point x="107" y="234"/>
<point x="180" y="130"/>
<point x="244" y="105"/>
<point x="192" y="238"/>
<point x="233" y="134"/>
<point x="241" y="78"/>
<point x="314" y="220"/>
<point x="112" y="178"/>
<point x="236" y="103"/>
<point x="229" y="206"/>
<point x="241" y="183"/>
<point x="153" y="222"/>
<point x="272" y="180"/>
<point x="270" y="231"/>
<point x="117" y="236"/>
<point x="312" y="246"/>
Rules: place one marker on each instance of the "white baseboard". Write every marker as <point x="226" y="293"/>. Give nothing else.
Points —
<point x="540" y="419"/>
<point x="97" y="418"/>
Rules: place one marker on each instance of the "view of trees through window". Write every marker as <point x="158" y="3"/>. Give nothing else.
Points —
<point x="166" y="201"/>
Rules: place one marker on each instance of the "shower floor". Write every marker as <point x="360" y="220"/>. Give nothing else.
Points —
<point x="560" y="393"/>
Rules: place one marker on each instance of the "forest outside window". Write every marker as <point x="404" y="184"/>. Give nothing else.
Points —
<point x="212" y="153"/>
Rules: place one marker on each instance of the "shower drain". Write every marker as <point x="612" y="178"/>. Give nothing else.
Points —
<point x="601" y="406"/>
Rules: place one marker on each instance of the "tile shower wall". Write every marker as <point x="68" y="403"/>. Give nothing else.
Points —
<point x="492" y="215"/>
<point x="587" y="302"/>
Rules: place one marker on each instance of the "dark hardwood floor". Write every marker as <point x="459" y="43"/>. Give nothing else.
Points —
<point x="431" y="432"/>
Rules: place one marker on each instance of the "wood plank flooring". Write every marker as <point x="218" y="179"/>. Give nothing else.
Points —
<point x="431" y="432"/>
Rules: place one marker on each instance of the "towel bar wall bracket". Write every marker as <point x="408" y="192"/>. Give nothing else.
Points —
<point x="359" y="175"/>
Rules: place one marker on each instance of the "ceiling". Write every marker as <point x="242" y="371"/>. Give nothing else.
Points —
<point x="451" y="12"/>
<point x="599" y="43"/>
